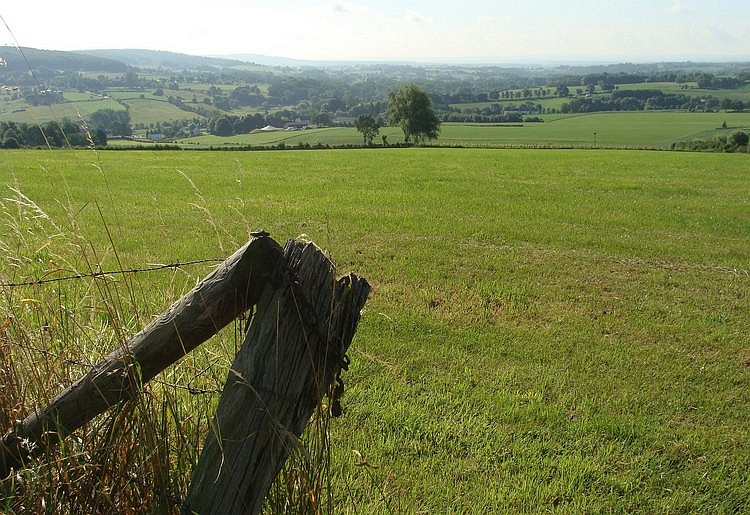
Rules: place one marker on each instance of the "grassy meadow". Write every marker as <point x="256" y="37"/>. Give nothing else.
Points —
<point x="638" y="129"/>
<point x="549" y="330"/>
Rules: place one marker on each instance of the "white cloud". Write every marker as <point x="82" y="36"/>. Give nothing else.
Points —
<point x="417" y="17"/>
<point x="680" y="7"/>
<point x="346" y="7"/>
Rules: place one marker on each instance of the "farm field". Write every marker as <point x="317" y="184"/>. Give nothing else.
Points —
<point x="80" y="105"/>
<point x="650" y="129"/>
<point x="549" y="331"/>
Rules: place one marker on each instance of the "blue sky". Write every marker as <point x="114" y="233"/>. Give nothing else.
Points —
<point x="477" y="31"/>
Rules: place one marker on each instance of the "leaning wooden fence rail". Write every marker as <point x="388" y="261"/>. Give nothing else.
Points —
<point x="301" y="310"/>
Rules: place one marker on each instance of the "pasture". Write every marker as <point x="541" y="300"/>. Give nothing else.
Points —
<point x="75" y="107"/>
<point x="549" y="331"/>
<point x="641" y="129"/>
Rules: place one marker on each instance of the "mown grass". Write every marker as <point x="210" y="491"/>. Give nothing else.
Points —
<point x="556" y="330"/>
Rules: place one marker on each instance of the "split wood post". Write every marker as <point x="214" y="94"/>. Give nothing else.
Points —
<point x="226" y="293"/>
<point x="291" y="357"/>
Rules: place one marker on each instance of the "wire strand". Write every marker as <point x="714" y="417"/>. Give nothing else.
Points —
<point x="105" y="273"/>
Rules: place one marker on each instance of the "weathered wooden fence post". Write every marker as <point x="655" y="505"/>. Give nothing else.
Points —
<point x="290" y="358"/>
<point x="229" y="291"/>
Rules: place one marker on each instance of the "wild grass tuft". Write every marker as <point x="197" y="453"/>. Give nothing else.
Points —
<point x="66" y="303"/>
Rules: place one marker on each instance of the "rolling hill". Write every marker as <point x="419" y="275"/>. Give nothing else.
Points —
<point x="141" y="58"/>
<point x="16" y="59"/>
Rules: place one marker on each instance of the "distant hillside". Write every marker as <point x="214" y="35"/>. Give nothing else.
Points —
<point x="58" y="60"/>
<point x="160" y="59"/>
<point x="266" y="60"/>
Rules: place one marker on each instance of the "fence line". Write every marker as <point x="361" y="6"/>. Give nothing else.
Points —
<point x="105" y="273"/>
<point x="226" y="293"/>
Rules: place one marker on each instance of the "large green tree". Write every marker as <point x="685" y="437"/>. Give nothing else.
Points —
<point x="368" y="126"/>
<point x="411" y="109"/>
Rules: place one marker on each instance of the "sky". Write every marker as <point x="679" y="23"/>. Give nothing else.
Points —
<point x="468" y="31"/>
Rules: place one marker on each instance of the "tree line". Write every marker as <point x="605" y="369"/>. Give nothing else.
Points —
<point x="737" y="141"/>
<point x="49" y="135"/>
<point x="649" y="99"/>
<point x="356" y="90"/>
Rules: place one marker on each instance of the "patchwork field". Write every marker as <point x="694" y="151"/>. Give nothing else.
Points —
<point x="644" y="129"/>
<point x="549" y="331"/>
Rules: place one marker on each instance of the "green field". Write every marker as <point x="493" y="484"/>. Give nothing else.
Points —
<point x="549" y="331"/>
<point x="79" y="105"/>
<point x="644" y="129"/>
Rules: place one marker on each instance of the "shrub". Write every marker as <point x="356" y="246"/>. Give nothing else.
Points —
<point x="739" y="138"/>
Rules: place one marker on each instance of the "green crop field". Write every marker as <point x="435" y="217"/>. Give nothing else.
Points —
<point x="79" y="106"/>
<point x="549" y="330"/>
<point x="644" y="129"/>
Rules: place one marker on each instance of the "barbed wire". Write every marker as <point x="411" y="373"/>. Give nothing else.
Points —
<point x="107" y="273"/>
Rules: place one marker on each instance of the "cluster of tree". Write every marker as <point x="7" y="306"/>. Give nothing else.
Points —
<point x="172" y="129"/>
<point x="49" y="135"/>
<point x="228" y="125"/>
<point x="735" y="142"/>
<point x="114" y="122"/>
<point x="702" y="79"/>
<point x="492" y="113"/>
<point x="239" y="97"/>
<point x="409" y="108"/>
<point x="100" y="124"/>
<point x="51" y="63"/>
<point x="506" y="117"/>
<point x="220" y="124"/>
<point x="648" y="99"/>
<point x="38" y="97"/>
<point x="709" y="81"/>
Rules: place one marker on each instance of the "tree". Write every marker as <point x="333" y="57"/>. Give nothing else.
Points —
<point x="10" y="142"/>
<point x="117" y="122"/>
<point x="563" y="91"/>
<point x="368" y="126"/>
<point x="410" y="108"/>
<point x="740" y="138"/>
<point x="223" y="127"/>
<point x="323" y="119"/>
<point x="99" y="138"/>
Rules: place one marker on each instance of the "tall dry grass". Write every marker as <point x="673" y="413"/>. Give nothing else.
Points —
<point x="60" y="314"/>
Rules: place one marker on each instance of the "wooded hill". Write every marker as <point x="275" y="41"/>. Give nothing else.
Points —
<point x="57" y="60"/>
<point x="138" y="58"/>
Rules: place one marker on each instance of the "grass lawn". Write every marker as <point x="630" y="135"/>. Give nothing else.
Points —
<point x="549" y="330"/>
